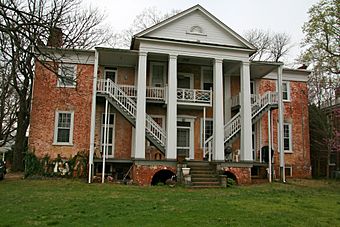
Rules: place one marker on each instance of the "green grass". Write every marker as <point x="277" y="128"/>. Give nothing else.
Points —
<point x="75" y="203"/>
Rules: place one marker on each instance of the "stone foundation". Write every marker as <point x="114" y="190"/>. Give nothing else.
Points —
<point x="143" y="171"/>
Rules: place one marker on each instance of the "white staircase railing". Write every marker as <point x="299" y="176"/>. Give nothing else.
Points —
<point x="129" y="106"/>
<point x="233" y="126"/>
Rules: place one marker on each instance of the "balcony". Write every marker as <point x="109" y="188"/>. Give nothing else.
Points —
<point x="194" y="97"/>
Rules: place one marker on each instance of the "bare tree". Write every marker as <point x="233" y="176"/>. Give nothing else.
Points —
<point x="25" y="26"/>
<point x="270" y="46"/>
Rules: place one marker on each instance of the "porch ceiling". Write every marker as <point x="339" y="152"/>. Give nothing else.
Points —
<point x="260" y="69"/>
<point x="117" y="57"/>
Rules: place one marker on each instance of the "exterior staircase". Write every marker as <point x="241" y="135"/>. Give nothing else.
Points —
<point x="233" y="128"/>
<point x="203" y="175"/>
<point x="128" y="108"/>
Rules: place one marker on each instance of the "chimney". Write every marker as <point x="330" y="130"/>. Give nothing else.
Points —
<point x="303" y="66"/>
<point x="55" y="38"/>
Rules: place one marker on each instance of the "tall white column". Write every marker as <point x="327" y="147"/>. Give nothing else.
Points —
<point x="246" y="124"/>
<point x="141" y="107"/>
<point x="93" y="114"/>
<point x="280" y="129"/>
<point x="171" y="143"/>
<point x="227" y="101"/>
<point x="218" y="111"/>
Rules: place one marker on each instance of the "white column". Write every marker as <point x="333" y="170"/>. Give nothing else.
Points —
<point x="218" y="111"/>
<point x="269" y="146"/>
<point x="93" y="114"/>
<point x="246" y="124"/>
<point x="141" y="107"/>
<point x="227" y="101"/>
<point x="171" y="142"/>
<point x="280" y="129"/>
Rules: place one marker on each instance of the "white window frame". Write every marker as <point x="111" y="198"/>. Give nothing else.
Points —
<point x="202" y="120"/>
<point x="60" y="82"/>
<point x="202" y="75"/>
<point x="290" y="137"/>
<point x="111" y="125"/>
<point x="288" y="90"/>
<point x="164" y="73"/>
<point x="55" y="140"/>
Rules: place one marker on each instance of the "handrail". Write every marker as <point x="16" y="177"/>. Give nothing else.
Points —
<point x="233" y="126"/>
<point x="118" y="94"/>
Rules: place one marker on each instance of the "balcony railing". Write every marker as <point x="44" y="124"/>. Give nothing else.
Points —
<point x="194" y="96"/>
<point x="184" y="96"/>
<point x="235" y="100"/>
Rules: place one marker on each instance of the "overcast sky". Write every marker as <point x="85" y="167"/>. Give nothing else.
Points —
<point x="240" y="15"/>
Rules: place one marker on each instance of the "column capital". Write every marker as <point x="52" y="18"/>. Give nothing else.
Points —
<point x="218" y="60"/>
<point x="245" y="63"/>
<point x="173" y="56"/>
<point x="143" y="53"/>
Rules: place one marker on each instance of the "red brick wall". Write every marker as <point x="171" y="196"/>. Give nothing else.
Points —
<point x="47" y="98"/>
<point x="142" y="174"/>
<point x="296" y="113"/>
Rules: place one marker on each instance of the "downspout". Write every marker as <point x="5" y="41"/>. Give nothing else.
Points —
<point x="93" y="114"/>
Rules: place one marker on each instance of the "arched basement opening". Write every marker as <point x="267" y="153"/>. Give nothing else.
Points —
<point x="230" y="175"/>
<point x="161" y="176"/>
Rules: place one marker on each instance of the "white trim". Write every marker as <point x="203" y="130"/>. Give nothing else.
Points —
<point x="289" y="75"/>
<point x="151" y="73"/>
<point x="56" y="118"/>
<point x="113" y="126"/>
<point x="60" y="73"/>
<point x="190" y="75"/>
<point x="206" y="13"/>
<point x="288" y="90"/>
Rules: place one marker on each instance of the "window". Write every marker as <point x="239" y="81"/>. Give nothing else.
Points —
<point x="110" y="73"/>
<point x="63" y="133"/>
<point x="287" y="137"/>
<point x="285" y="91"/>
<point x="288" y="171"/>
<point x="207" y="78"/>
<point x="158" y="72"/>
<point x="67" y="73"/>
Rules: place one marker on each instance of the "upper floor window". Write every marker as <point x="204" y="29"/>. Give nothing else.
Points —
<point x="285" y="91"/>
<point x="110" y="73"/>
<point x="67" y="75"/>
<point x="158" y="73"/>
<point x="207" y="78"/>
<point x="63" y="132"/>
<point x="287" y="137"/>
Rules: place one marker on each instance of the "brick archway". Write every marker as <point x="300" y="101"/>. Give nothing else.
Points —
<point x="143" y="174"/>
<point x="242" y="174"/>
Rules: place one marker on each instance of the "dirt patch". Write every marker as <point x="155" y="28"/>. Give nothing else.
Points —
<point x="14" y="176"/>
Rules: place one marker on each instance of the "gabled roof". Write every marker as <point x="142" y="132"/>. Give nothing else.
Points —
<point x="177" y="17"/>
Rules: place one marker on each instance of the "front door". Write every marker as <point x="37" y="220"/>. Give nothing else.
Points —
<point x="110" y="135"/>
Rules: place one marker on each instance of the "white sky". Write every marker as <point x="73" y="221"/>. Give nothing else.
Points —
<point x="240" y="15"/>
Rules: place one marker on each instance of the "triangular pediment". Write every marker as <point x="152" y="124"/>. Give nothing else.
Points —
<point x="196" y="25"/>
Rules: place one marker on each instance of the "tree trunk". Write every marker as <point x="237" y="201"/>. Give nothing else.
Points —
<point x="20" y="138"/>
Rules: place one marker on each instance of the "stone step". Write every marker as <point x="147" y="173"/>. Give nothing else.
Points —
<point x="205" y="186"/>
<point x="206" y="183"/>
<point x="204" y="179"/>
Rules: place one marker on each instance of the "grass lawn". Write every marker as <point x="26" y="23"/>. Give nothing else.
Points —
<point x="73" y="202"/>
